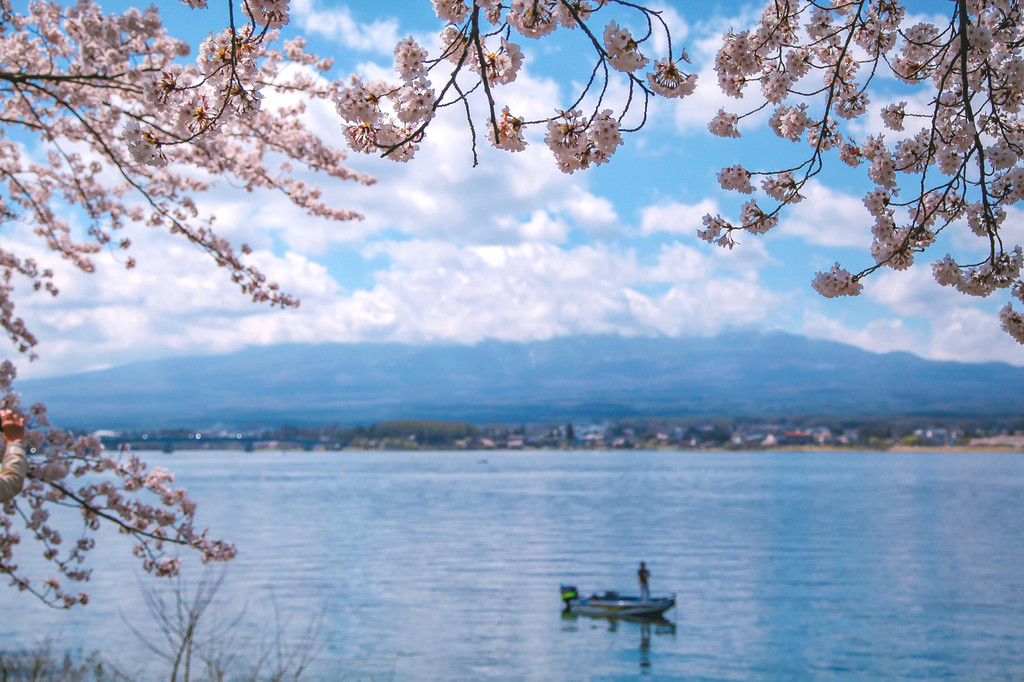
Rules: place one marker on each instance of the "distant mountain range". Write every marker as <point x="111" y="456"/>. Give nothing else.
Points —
<point x="570" y="378"/>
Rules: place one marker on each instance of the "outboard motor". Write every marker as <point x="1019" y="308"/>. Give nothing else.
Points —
<point x="568" y="594"/>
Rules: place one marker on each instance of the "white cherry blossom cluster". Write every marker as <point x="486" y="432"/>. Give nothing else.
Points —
<point x="790" y="122"/>
<point x="143" y="145"/>
<point x="754" y="219"/>
<point x="372" y="127"/>
<point x="716" y="231"/>
<point x="782" y="187"/>
<point x="668" y="80"/>
<point x="836" y="282"/>
<point x="269" y="13"/>
<point x="533" y="18"/>
<point x="984" y="279"/>
<point x="893" y="115"/>
<point x="578" y="143"/>
<point x="500" y="66"/>
<point x="724" y="124"/>
<point x="1012" y="323"/>
<point x="735" y="178"/>
<point x="509" y="134"/>
<point x="623" y="52"/>
<point x="410" y="60"/>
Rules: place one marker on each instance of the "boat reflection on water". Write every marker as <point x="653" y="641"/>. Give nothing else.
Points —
<point x="659" y="625"/>
<point x="646" y="625"/>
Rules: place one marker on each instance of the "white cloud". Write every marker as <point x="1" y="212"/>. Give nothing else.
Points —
<point x="828" y="217"/>
<point x="960" y="334"/>
<point x="923" y="318"/>
<point x="883" y="335"/>
<point x="179" y="303"/>
<point x="967" y="334"/>
<point x="595" y="214"/>
<point x="912" y="292"/>
<point x="681" y="263"/>
<point x="676" y="217"/>
<point x="440" y="291"/>
<point x="338" y="25"/>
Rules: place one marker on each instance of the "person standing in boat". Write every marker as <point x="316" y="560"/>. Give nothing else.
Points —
<point x="642" y="575"/>
<point x="12" y="474"/>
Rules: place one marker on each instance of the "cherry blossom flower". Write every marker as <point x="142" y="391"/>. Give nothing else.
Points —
<point x="1012" y="323"/>
<point x="669" y="81"/>
<point x="836" y="282"/>
<point x="414" y="101"/>
<point x="510" y="133"/>
<point x="502" y="65"/>
<point x="409" y="60"/>
<point x="893" y="115"/>
<point x="716" y="231"/>
<point x="604" y="132"/>
<point x="735" y="178"/>
<point x="533" y="18"/>
<point x="454" y="11"/>
<point x="623" y="51"/>
<point x="724" y="124"/>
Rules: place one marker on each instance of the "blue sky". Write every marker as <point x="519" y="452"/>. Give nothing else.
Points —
<point x="513" y="249"/>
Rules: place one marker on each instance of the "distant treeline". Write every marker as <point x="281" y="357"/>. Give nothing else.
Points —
<point x="395" y="434"/>
<point x="409" y="434"/>
<point x="423" y="431"/>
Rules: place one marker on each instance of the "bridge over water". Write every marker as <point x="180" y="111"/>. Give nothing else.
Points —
<point x="247" y="443"/>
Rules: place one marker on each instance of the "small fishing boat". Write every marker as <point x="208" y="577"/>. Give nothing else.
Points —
<point x="612" y="604"/>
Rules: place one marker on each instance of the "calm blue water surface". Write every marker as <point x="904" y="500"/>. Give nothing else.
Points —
<point x="446" y="566"/>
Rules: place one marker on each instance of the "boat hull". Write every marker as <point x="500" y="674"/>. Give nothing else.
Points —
<point x="622" y="607"/>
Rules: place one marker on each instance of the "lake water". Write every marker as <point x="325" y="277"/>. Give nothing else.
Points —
<point x="446" y="566"/>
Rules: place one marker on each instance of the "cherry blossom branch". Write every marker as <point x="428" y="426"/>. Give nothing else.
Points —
<point x="968" y="67"/>
<point x="108" y="92"/>
<point x="578" y="142"/>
